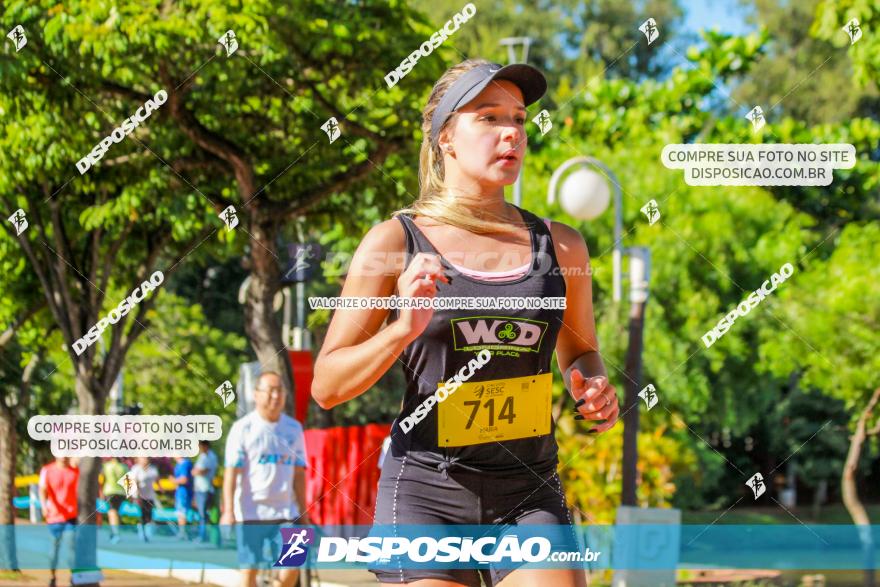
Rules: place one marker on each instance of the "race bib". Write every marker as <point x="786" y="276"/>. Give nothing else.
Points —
<point x="496" y="410"/>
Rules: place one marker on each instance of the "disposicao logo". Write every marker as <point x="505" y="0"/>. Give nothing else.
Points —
<point x="296" y="546"/>
<point x="123" y="130"/>
<point x="426" y="48"/>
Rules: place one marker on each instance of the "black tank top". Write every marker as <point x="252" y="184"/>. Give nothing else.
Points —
<point x="433" y="357"/>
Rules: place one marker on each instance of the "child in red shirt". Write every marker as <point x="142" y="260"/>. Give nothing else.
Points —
<point x="58" y="482"/>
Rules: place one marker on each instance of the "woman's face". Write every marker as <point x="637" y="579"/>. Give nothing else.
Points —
<point x="486" y="128"/>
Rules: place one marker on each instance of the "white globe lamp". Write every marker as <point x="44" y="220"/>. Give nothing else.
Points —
<point x="584" y="194"/>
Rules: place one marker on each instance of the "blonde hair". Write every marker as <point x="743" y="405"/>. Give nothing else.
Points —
<point x="435" y="201"/>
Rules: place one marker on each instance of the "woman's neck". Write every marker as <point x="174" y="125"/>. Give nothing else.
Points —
<point x="487" y="206"/>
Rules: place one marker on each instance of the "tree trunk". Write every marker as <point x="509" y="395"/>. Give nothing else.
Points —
<point x="8" y="454"/>
<point x="819" y="497"/>
<point x="260" y="324"/>
<point x="8" y="447"/>
<point x="91" y="402"/>
<point x="850" y="493"/>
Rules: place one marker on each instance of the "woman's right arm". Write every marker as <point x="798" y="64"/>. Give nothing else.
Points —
<point x="356" y="353"/>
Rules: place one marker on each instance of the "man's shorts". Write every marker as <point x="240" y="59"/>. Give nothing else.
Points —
<point x="183" y="503"/>
<point x="204" y="500"/>
<point x="146" y="510"/>
<point x="61" y="544"/>
<point x="253" y="537"/>
<point x="412" y="493"/>
<point x="56" y="529"/>
<point x="114" y="501"/>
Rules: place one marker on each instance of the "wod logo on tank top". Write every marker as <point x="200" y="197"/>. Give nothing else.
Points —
<point x="504" y="335"/>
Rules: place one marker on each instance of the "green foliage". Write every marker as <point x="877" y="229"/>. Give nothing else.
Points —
<point x="832" y="313"/>
<point x="852" y="197"/>
<point x="812" y="424"/>
<point x="833" y="15"/>
<point x="711" y="248"/>
<point x="591" y="472"/>
<point x="802" y="76"/>
<point x="173" y="368"/>
<point x="90" y="67"/>
<point x="177" y="370"/>
<point x="574" y="39"/>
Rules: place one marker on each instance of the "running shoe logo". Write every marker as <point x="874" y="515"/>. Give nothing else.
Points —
<point x="295" y="549"/>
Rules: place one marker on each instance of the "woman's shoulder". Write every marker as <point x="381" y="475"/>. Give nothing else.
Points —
<point x="386" y="236"/>
<point x="382" y="249"/>
<point x="569" y="243"/>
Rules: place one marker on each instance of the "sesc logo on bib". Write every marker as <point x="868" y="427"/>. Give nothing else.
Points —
<point x="503" y="335"/>
<point x="295" y="549"/>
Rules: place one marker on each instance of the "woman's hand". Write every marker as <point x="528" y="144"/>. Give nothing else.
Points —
<point x="595" y="399"/>
<point x="417" y="281"/>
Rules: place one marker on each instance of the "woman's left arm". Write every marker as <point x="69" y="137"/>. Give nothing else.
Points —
<point x="577" y="350"/>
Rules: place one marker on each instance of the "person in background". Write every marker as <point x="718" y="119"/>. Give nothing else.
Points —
<point x="183" y="495"/>
<point x="264" y="483"/>
<point x="145" y="475"/>
<point x="57" y="488"/>
<point x="114" y="493"/>
<point x="203" y="473"/>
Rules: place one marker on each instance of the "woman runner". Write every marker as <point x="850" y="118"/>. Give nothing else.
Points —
<point x="459" y="460"/>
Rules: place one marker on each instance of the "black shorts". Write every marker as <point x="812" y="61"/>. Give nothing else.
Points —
<point x="413" y="493"/>
<point x="146" y="510"/>
<point x="114" y="501"/>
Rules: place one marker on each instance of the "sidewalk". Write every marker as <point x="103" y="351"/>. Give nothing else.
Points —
<point x="114" y="578"/>
<point x="163" y="561"/>
<point x="117" y="578"/>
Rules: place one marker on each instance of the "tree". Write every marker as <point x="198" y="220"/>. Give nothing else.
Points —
<point x="577" y="42"/>
<point x="710" y="246"/>
<point x="802" y="76"/>
<point x="176" y="370"/>
<point x="249" y="124"/>
<point x="832" y="16"/>
<point x="833" y="309"/>
<point x="21" y="308"/>
<point x="17" y="367"/>
<point x="110" y="228"/>
<point x="819" y="456"/>
<point x="231" y="133"/>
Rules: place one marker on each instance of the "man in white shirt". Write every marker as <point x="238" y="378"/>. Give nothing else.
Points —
<point x="264" y="484"/>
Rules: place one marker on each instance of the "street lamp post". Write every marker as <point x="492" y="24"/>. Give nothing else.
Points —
<point x="584" y="195"/>
<point x="639" y="268"/>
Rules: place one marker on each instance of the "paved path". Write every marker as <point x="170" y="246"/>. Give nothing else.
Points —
<point x="115" y="578"/>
